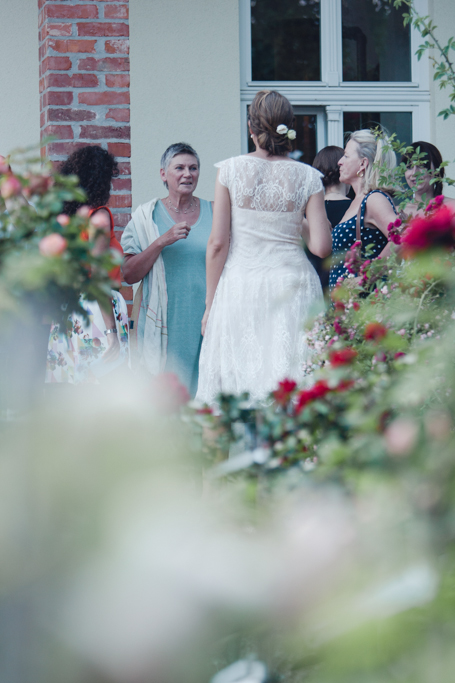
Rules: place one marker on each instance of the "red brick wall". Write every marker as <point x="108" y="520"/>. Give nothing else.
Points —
<point x="84" y="86"/>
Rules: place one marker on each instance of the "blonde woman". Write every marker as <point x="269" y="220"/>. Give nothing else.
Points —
<point x="359" y="168"/>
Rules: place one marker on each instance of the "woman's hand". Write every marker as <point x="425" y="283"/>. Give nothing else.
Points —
<point x="204" y="321"/>
<point x="179" y="231"/>
<point x="113" y="348"/>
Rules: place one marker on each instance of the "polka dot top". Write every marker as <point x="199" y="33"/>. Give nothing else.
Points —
<point x="344" y="236"/>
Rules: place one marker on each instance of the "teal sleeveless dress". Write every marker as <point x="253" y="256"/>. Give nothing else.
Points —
<point x="184" y="265"/>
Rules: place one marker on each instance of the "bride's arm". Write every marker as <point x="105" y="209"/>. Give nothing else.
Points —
<point x="316" y="227"/>
<point x="218" y="244"/>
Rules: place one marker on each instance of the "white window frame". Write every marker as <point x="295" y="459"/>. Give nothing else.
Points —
<point x="331" y="93"/>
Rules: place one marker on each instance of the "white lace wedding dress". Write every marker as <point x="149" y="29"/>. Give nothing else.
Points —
<point x="254" y="336"/>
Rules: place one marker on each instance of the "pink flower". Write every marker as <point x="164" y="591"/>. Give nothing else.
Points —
<point x="356" y="305"/>
<point x="38" y="184"/>
<point x="83" y="212"/>
<point x="401" y="436"/>
<point x="438" y="425"/>
<point x="63" y="219"/>
<point x="100" y="221"/>
<point x="10" y="187"/>
<point x="52" y="245"/>
<point x="168" y="394"/>
<point x="337" y="327"/>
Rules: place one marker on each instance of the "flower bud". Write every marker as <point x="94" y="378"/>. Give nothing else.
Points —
<point x="63" y="219"/>
<point x="83" y="211"/>
<point x="100" y="221"/>
<point x="4" y="166"/>
<point x="37" y="184"/>
<point x="52" y="245"/>
<point x="10" y="187"/>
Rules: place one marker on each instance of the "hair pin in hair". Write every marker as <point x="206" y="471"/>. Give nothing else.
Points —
<point x="290" y="133"/>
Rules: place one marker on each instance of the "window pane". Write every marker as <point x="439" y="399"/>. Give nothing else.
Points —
<point x="376" y="45"/>
<point x="285" y="43"/>
<point x="304" y="146"/>
<point x="394" y="122"/>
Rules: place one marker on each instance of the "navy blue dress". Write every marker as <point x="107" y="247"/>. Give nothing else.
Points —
<point x="343" y="237"/>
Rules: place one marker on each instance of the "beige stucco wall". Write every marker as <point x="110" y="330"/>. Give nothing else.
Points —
<point x="184" y="86"/>
<point x="443" y="132"/>
<point x="19" y="74"/>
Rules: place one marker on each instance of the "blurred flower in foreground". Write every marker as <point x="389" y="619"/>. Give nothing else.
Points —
<point x="284" y="391"/>
<point x="52" y="245"/>
<point x="342" y="356"/>
<point x="243" y="671"/>
<point x="167" y="393"/>
<point x="375" y="331"/>
<point x="4" y="165"/>
<point x="401" y="436"/>
<point x="436" y="229"/>
<point x="10" y="187"/>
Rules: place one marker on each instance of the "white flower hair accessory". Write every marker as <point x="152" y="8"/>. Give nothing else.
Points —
<point x="282" y="129"/>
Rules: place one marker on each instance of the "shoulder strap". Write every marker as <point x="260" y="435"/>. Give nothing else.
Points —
<point x="358" y="231"/>
<point x="361" y="212"/>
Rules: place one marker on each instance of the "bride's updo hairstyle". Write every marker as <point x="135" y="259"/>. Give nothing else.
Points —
<point x="267" y="111"/>
<point x="378" y="152"/>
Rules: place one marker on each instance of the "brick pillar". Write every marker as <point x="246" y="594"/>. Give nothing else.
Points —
<point x="84" y="86"/>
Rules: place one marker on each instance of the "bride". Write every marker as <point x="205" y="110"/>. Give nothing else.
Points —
<point x="260" y="285"/>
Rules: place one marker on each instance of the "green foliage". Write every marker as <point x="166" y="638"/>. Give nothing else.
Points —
<point x="47" y="278"/>
<point x="444" y="72"/>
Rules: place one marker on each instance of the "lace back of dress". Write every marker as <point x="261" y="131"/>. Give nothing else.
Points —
<point x="270" y="186"/>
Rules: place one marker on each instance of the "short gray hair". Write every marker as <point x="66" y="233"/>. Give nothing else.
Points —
<point x="174" y="150"/>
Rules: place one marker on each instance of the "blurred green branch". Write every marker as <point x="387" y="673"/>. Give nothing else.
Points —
<point x="443" y="68"/>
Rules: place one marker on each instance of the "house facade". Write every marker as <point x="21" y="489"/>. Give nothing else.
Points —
<point x="136" y="76"/>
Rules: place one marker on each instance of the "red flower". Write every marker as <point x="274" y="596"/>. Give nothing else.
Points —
<point x="204" y="411"/>
<point x="356" y="305"/>
<point x="342" y="357"/>
<point x="375" y="332"/>
<point x="319" y="390"/>
<point x="339" y="306"/>
<point x="399" y="354"/>
<point x="284" y="391"/>
<point x="345" y="384"/>
<point x="435" y="229"/>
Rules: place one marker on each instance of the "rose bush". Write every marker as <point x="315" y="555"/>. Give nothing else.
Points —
<point x="46" y="260"/>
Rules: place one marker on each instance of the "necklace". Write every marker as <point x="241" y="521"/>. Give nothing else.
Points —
<point x="188" y="210"/>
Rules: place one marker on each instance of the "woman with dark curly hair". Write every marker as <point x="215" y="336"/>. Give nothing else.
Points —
<point x="260" y="285"/>
<point x="87" y="351"/>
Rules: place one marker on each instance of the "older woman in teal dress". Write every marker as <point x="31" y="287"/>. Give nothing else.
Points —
<point x="164" y="246"/>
